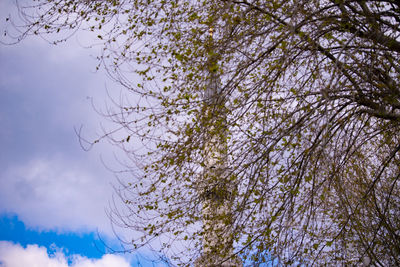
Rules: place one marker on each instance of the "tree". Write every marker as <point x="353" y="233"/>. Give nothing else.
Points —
<point x="310" y="101"/>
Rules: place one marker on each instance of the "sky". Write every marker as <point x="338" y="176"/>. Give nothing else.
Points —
<point x="53" y="194"/>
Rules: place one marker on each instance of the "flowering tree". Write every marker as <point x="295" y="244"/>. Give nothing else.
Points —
<point x="306" y="114"/>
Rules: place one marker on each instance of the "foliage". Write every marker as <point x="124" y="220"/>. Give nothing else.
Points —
<point x="310" y="101"/>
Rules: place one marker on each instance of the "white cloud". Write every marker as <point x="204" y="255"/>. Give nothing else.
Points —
<point x="13" y="255"/>
<point x="56" y="194"/>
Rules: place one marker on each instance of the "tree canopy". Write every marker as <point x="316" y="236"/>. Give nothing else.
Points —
<point x="309" y="92"/>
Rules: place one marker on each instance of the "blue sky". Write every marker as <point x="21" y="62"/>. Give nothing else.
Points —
<point x="54" y="195"/>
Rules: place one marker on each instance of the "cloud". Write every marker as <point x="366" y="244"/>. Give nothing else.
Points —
<point x="45" y="91"/>
<point x="14" y="255"/>
<point x="46" y="178"/>
<point x="55" y="193"/>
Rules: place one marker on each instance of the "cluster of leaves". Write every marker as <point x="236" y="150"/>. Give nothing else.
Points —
<point x="310" y="96"/>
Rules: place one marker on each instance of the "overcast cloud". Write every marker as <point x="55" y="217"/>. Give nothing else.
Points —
<point x="47" y="180"/>
<point x="44" y="171"/>
<point x="46" y="177"/>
